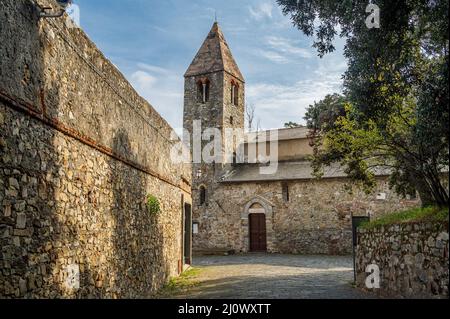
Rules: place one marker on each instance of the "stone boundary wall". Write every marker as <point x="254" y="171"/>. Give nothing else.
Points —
<point x="412" y="258"/>
<point x="79" y="152"/>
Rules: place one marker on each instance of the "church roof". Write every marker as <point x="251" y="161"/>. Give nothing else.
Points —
<point x="300" y="170"/>
<point x="214" y="56"/>
<point x="282" y="134"/>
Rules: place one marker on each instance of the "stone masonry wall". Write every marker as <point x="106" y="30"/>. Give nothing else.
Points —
<point x="412" y="258"/>
<point x="79" y="153"/>
<point x="315" y="220"/>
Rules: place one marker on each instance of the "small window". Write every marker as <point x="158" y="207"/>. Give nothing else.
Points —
<point x="200" y="92"/>
<point x="234" y="159"/>
<point x="202" y="195"/>
<point x="231" y="120"/>
<point x="285" y="192"/>
<point x="203" y="91"/>
<point x="234" y="93"/>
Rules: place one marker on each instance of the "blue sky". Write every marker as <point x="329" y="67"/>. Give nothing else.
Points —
<point x="153" y="42"/>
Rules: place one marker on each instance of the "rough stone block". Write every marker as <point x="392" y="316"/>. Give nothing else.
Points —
<point x="21" y="221"/>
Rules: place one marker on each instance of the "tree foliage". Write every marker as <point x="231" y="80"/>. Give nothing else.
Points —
<point x="291" y="125"/>
<point x="395" y="114"/>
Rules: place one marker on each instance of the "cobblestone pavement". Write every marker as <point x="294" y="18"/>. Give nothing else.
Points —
<point x="274" y="276"/>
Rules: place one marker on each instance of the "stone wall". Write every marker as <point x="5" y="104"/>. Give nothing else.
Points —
<point x="79" y="152"/>
<point x="412" y="259"/>
<point x="315" y="220"/>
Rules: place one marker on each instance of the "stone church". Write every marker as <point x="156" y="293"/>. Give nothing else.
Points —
<point x="238" y="209"/>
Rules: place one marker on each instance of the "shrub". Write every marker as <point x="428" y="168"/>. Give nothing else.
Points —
<point x="153" y="206"/>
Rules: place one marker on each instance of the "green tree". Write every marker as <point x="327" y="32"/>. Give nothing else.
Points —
<point x="291" y="125"/>
<point x="396" y="91"/>
<point x="323" y="114"/>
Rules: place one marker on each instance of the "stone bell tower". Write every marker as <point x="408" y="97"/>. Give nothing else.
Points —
<point x="214" y="95"/>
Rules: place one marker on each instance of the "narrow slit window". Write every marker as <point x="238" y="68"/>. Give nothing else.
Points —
<point x="234" y="93"/>
<point x="285" y="187"/>
<point x="202" y="195"/>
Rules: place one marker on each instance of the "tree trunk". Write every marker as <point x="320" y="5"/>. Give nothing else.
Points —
<point x="431" y="191"/>
<point x="426" y="198"/>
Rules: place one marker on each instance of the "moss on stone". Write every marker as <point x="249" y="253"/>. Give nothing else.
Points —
<point x="427" y="214"/>
<point x="181" y="284"/>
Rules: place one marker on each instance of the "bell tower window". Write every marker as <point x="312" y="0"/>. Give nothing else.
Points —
<point x="203" y="90"/>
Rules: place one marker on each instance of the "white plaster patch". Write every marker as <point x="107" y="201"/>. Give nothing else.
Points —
<point x="381" y="196"/>
<point x="195" y="228"/>
<point x="73" y="277"/>
<point x="256" y="211"/>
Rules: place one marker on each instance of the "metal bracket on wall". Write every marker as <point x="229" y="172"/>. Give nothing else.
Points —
<point x="45" y="12"/>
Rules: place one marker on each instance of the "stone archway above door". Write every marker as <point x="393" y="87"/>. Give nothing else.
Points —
<point x="258" y="202"/>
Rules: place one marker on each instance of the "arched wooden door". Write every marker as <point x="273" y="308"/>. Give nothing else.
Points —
<point x="258" y="233"/>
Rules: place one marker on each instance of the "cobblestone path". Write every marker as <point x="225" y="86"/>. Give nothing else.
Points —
<point x="274" y="276"/>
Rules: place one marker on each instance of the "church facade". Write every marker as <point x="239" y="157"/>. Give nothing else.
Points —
<point x="236" y="208"/>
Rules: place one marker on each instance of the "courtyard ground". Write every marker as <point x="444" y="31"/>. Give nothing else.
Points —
<point x="264" y="276"/>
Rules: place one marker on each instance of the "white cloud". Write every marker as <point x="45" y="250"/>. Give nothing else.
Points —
<point x="264" y="10"/>
<point x="282" y="51"/>
<point x="153" y="68"/>
<point x="285" y="46"/>
<point x="330" y="69"/>
<point x="277" y="104"/>
<point x="273" y="56"/>
<point x="282" y="22"/>
<point x="142" y="81"/>
<point x="234" y="30"/>
<point x="163" y="89"/>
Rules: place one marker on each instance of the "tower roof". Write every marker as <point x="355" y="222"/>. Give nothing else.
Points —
<point x="214" y="56"/>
